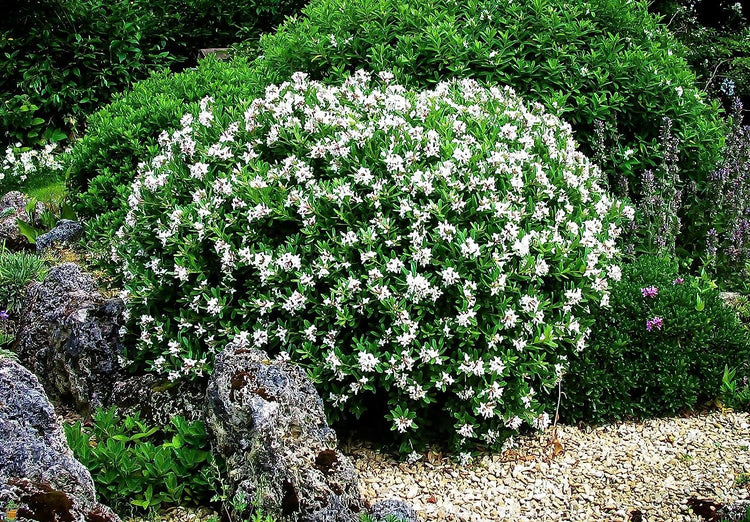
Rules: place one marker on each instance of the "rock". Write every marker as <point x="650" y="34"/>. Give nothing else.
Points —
<point x="69" y="337"/>
<point x="734" y="511"/>
<point x="395" y="508"/>
<point x="158" y="400"/>
<point x="37" y="468"/>
<point x="220" y="53"/>
<point x="269" y="426"/>
<point x="65" y="232"/>
<point x="13" y="207"/>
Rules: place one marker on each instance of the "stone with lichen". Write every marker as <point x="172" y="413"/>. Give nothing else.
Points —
<point x="269" y="425"/>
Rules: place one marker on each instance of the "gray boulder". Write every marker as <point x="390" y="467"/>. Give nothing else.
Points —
<point x="13" y="207"/>
<point x="269" y="426"/>
<point x="37" y="468"/>
<point x="398" y="509"/>
<point x="66" y="232"/>
<point x="157" y="400"/>
<point x="69" y="337"/>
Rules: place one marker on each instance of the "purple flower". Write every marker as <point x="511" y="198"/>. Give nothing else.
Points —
<point x="656" y="322"/>
<point x="650" y="291"/>
<point x="4" y="315"/>
<point x="678" y="281"/>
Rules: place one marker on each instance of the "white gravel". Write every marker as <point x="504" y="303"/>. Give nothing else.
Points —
<point x="599" y="474"/>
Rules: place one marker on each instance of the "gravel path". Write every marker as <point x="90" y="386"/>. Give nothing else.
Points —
<point x="592" y="475"/>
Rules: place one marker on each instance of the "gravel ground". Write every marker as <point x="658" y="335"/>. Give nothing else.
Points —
<point x="599" y="474"/>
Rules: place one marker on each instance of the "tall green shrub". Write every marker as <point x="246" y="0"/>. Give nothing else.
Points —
<point x="601" y="60"/>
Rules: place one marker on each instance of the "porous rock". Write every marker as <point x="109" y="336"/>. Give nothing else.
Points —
<point x="38" y="471"/>
<point x="734" y="511"/>
<point x="398" y="509"/>
<point x="158" y="400"/>
<point x="65" y="233"/>
<point x="69" y="337"/>
<point x="269" y="426"/>
<point x="12" y="208"/>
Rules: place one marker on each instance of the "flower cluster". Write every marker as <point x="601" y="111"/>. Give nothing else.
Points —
<point x="654" y="323"/>
<point x="21" y="162"/>
<point x="439" y="250"/>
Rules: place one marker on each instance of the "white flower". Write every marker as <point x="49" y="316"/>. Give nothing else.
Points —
<point x="403" y="424"/>
<point x="288" y="262"/>
<point x="367" y="361"/>
<point x="466" y="431"/>
<point x="470" y="248"/>
<point x="260" y="338"/>
<point x="394" y="266"/>
<point x="450" y="276"/>
<point x="417" y="287"/>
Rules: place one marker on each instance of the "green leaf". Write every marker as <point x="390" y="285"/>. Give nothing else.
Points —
<point x="28" y="231"/>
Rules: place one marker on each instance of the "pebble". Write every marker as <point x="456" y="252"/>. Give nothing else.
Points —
<point x="602" y="474"/>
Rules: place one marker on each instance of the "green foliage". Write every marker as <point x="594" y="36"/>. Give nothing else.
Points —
<point x="137" y="467"/>
<point x="735" y="391"/>
<point x="600" y="61"/>
<point x="6" y="354"/>
<point x="17" y="270"/>
<point x="61" y="63"/>
<point x="628" y="371"/>
<point x="716" y="35"/>
<point x="64" y="58"/>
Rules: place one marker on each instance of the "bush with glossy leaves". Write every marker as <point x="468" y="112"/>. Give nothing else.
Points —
<point x="437" y="251"/>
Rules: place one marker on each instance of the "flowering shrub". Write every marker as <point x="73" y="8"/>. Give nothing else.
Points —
<point x="19" y="163"/>
<point x="595" y="60"/>
<point x="661" y="348"/>
<point x="729" y="246"/>
<point x="438" y="250"/>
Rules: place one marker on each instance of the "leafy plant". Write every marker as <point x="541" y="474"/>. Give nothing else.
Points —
<point x="729" y="239"/>
<point x="17" y="270"/>
<point x="47" y="219"/>
<point x="607" y="60"/>
<point x="138" y="467"/>
<point x="716" y="35"/>
<point x="435" y="251"/>
<point x="735" y="392"/>
<point x="63" y="59"/>
<point x="661" y="348"/>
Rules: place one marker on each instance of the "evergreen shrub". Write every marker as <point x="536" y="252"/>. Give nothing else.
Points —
<point x="661" y="348"/>
<point x="606" y="61"/>
<point x="435" y="251"/>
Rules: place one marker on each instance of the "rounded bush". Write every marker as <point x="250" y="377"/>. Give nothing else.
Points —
<point x="436" y="251"/>
<point x="661" y="348"/>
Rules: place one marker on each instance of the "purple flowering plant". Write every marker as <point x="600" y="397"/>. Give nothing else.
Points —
<point x="654" y="323"/>
<point x="728" y="241"/>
